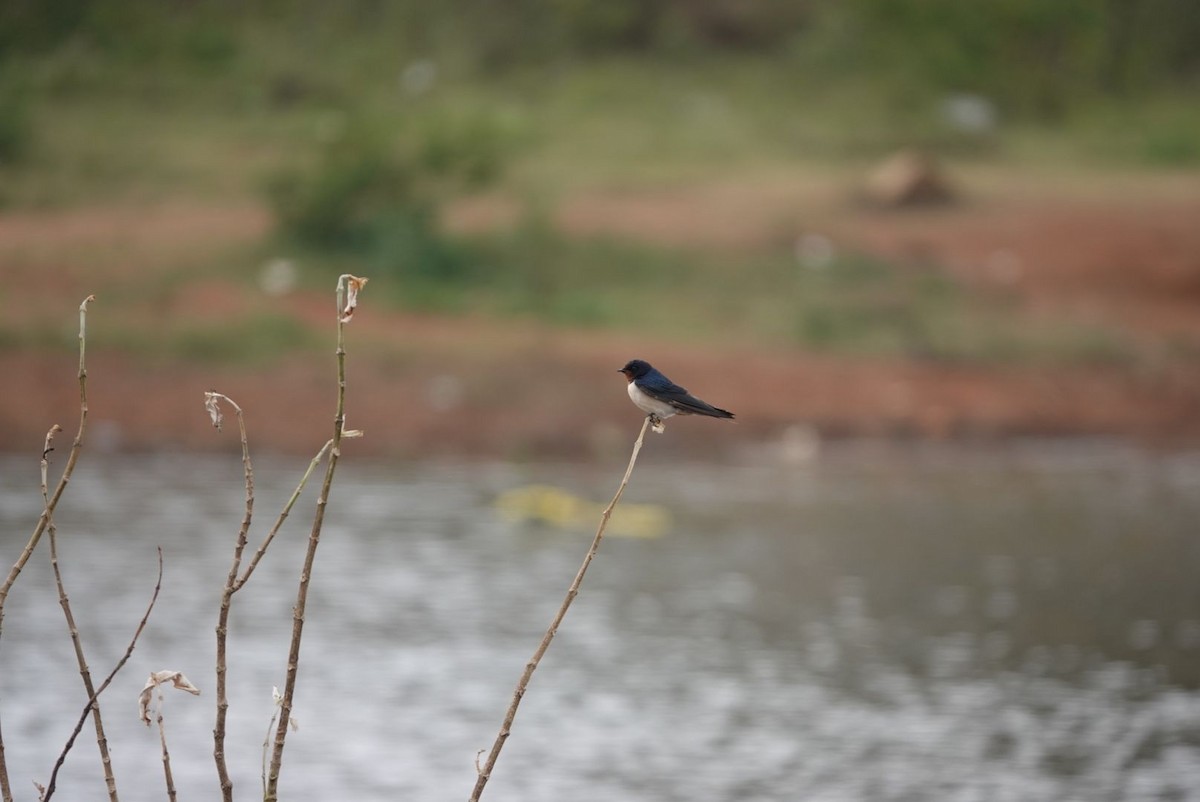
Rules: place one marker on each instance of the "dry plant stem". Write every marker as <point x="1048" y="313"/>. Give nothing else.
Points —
<point x="5" y="789"/>
<point x="50" y="786"/>
<point x="486" y="772"/>
<point x="64" y="601"/>
<point x="265" y="750"/>
<point x="48" y="510"/>
<point x="166" y="754"/>
<point x="293" y="664"/>
<point x="223" y="627"/>
<point x="287" y="508"/>
<point x="234" y="583"/>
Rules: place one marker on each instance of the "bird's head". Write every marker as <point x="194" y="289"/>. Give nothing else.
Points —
<point x="635" y="369"/>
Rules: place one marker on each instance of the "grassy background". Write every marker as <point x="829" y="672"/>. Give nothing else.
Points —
<point x="358" y="124"/>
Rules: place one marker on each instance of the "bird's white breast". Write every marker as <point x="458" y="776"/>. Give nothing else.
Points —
<point x="648" y="404"/>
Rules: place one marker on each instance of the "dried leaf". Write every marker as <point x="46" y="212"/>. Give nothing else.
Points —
<point x="214" y="409"/>
<point x="353" y="285"/>
<point x="293" y="722"/>
<point x="352" y="433"/>
<point x="658" y="426"/>
<point x="176" y="678"/>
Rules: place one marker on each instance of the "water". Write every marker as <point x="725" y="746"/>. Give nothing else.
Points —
<point x="884" y="624"/>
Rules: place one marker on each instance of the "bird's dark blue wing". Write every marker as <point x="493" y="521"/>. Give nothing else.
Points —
<point x="659" y="387"/>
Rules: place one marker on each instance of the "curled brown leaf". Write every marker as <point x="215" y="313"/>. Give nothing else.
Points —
<point x="157" y="678"/>
<point x="353" y="285"/>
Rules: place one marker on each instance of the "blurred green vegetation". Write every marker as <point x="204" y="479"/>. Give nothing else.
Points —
<point x="134" y="96"/>
<point x="358" y="122"/>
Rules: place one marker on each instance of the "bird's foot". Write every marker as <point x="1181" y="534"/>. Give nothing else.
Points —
<point x="656" y="423"/>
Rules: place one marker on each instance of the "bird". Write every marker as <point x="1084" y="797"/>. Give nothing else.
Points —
<point x="660" y="398"/>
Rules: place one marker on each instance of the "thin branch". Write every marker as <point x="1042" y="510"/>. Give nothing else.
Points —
<point x="70" y="467"/>
<point x="166" y="754"/>
<point x="104" y="685"/>
<point x="5" y="790"/>
<point x="48" y="510"/>
<point x="223" y="616"/>
<point x="486" y="772"/>
<point x="277" y="698"/>
<point x="347" y="299"/>
<point x="154" y="689"/>
<point x="234" y="582"/>
<point x="84" y="672"/>
<point x="287" y="508"/>
<point x="266" y="750"/>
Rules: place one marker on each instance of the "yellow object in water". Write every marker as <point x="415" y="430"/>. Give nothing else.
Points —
<point x="556" y="507"/>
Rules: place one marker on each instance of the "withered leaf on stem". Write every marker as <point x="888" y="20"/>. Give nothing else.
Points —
<point x="176" y="678"/>
<point x="277" y="697"/>
<point x="353" y="285"/>
<point x="214" y="409"/>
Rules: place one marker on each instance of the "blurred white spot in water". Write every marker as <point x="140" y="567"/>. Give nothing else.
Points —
<point x="444" y="392"/>
<point x="1143" y="634"/>
<point x="278" y="277"/>
<point x="418" y="78"/>
<point x="814" y="251"/>
<point x="1001" y="605"/>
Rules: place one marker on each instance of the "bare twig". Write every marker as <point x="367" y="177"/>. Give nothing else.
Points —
<point x="277" y="698"/>
<point x="211" y="400"/>
<point x="84" y="672"/>
<point x="486" y="772"/>
<point x="267" y="748"/>
<point x="234" y="582"/>
<point x="48" y="510"/>
<point x="287" y="508"/>
<point x="153" y="688"/>
<point x="347" y="299"/>
<point x="107" y="681"/>
<point x="5" y="790"/>
<point x="166" y="753"/>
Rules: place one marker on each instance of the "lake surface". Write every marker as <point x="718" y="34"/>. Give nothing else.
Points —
<point x="883" y="623"/>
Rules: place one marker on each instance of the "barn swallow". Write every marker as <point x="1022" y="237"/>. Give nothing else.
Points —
<point x="660" y="398"/>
